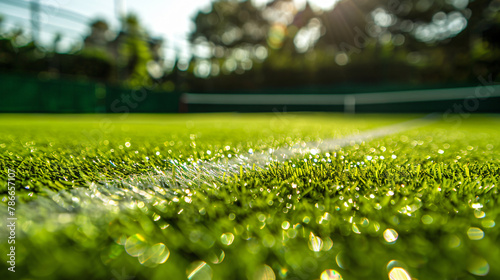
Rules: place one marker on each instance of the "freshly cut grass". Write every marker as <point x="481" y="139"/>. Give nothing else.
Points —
<point x="422" y="203"/>
<point x="64" y="151"/>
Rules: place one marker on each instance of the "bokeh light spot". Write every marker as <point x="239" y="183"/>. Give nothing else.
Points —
<point x="390" y="235"/>
<point x="265" y="272"/>
<point x="315" y="242"/>
<point x="199" y="270"/>
<point x="398" y="273"/>
<point x="478" y="266"/>
<point x="330" y="274"/>
<point x="157" y="254"/>
<point x="475" y="233"/>
<point x="227" y="238"/>
<point x="135" y="245"/>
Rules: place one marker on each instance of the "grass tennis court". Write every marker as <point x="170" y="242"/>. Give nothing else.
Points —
<point x="152" y="197"/>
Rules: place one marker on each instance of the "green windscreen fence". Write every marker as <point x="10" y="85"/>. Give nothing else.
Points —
<point x="29" y="94"/>
<point x="19" y="93"/>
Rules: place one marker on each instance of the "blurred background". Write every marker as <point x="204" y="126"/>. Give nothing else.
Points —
<point x="63" y="56"/>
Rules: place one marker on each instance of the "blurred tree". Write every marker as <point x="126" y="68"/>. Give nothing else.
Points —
<point x="230" y="24"/>
<point x="130" y="52"/>
<point x="230" y="37"/>
<point x="99" y="36"/>
<point x="424" y="41"/>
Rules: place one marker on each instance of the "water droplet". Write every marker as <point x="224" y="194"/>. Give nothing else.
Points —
<point x="330" y="274"/>
<point x="265" y="272"/>
<point x="315" y="242"/>
<point x="157" y="254"/>
<point x="199" y="270"/>
<point x="427" y="219"/>
<point x="227" y="238"/>
<point x="479" y="214"/>
<point x="340" y="260"/>
<point x="477" y="205"/>
<point x="355" y="229"/>
<point x="217" y="256"/>
<point x="454" y="241"/>
<point x="135" y="245"/>
<point x="488" y="223"/>
<point x="285" y="225"/>
<point x="262" y="217"/>
<point x="398" y="273"/>
<point x="156" y="217"/>
<point x="478" y="266"/>
<point x="390" y="235"/>
<point x="475" y="233"/>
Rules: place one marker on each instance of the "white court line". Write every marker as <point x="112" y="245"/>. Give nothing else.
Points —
<point x="189" y="176"/>
<point x="111" y="197"/>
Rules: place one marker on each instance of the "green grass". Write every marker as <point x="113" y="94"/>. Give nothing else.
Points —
<point x="434" y="187"/>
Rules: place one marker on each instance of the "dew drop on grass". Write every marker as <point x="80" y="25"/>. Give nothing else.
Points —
<point x="478" y="266"/>
<point x="135" y="245"/>
<point x="227" y="238"/>
<point x="327" y="244"/>
<point x="340" y="260"/>
<point x="390" y="235"/>
<point x="217" y="256"/>
<point x="477" y="206"/>
<point x="427" y="219"/>
<point x="488" y="223"/>
<point x="330" y="274"/>
<point x="365" y="222"/>
<point x="475" y="233"/>
<point x="199" y="270"/>
<point x="315" y="242"/>
<point x="479" y="214"/>
<point x="157" y="254"/>
<point x="399" y="273"/>
<point x="454" y="241"/>
<point x="355" y="229"/>
<point x="156" y="217"/>
<point x="265" y="272"/>
<point x="292" y="233"/>
<point x="285" y="225"/>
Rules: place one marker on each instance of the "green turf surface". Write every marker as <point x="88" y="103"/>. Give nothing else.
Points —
<point x="422" y="202"/>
